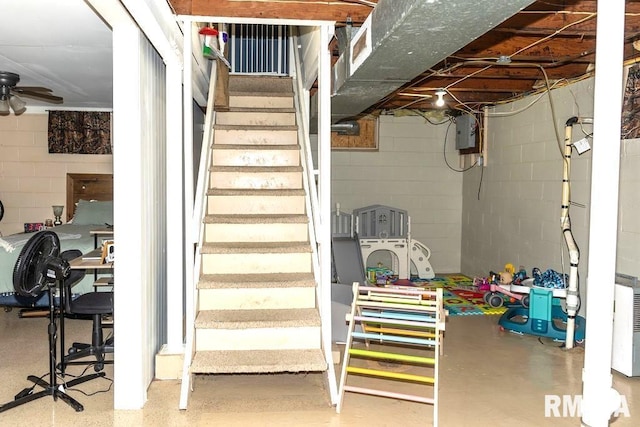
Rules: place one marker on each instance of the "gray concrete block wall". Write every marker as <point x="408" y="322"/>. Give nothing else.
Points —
<point x="408" y="172"/>
<point x="517" y="218"/>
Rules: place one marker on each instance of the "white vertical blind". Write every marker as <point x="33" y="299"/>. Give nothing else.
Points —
<point x="139" y="214"/>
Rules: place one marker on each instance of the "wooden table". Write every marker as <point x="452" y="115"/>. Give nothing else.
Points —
<point x="102" y="231"/>
<point x="90" y="261"/>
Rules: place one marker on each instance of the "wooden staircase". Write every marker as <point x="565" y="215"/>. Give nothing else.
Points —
<point x="257" y="310"/>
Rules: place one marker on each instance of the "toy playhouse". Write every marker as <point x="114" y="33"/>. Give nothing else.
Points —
<point x="383" y="229"/>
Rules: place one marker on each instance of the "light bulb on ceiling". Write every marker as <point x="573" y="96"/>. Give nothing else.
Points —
<point x="17" y="104"/>
<point x="4" y="100"/>
<point x="440" y="94"/>
<point x="9" y="101"/>
<point x="4" y="105"/>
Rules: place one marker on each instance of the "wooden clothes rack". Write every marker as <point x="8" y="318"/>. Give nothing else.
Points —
<point x="408" y="324"/>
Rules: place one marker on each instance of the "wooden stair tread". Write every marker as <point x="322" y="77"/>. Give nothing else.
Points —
<point x="255" y="169"/>
<point x="282" y="94"/>
<point x="254" y="247"/>
<point x="258" y="361"/>
<point x="260" y="110"/>
<point x="255" y="192"/>
<point x="256" y="127"/>
<point x="257" y="319"/>
<point x="256" y="147"/>
<point x="252" y="281"/>
<point x="262" y="84"/>
<point x="256" y="219"/>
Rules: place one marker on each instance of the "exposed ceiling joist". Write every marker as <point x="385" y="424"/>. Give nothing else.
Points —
<point x="341" y="11"/>
<point x="554" y="36"/>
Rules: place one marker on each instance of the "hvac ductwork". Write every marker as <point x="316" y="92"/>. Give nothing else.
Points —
<point x="403" y="38"/>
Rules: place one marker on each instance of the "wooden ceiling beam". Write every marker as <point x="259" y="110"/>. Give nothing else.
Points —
<point x="332" y="10"/>
<point x="180" y="7"/>
<point x="564" y="54"/>
<point x="504" y="71"/>
<point x="483" y="76"/>
<point x="585" y="57"/>
<point x="471" y="84"/>
<point x="531" y="32"/>
<point x="495" y="44"/>
<point x="473" y="98"/>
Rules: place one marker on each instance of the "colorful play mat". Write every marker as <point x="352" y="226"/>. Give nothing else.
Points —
<point x="461" y="297"/>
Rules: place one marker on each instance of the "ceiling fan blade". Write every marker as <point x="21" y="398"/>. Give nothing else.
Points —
<point x="32" y="88"/>
<point x="39" y="95"/>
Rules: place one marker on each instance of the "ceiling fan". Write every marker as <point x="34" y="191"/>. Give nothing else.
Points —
<point x="9" y="94"/>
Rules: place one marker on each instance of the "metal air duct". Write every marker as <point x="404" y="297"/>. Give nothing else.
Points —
<point x="403" y="38"/>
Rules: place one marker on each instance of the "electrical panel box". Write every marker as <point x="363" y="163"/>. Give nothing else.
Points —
<point x="465" y="132"/>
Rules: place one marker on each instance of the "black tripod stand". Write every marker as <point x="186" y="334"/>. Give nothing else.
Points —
<point x="51" y="388"/>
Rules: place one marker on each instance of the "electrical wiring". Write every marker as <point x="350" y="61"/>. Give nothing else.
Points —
<point x="563" y="12"/>
<point x="449" y="67"/>
<point x="555" y="33"/>
<point x="529" y="46"/>
<point x="467" y="109"/>
<point x="467" y="76"/>
<point x="64" y="383"/>
<point x="480" y="184"/>
<point x="548" y="87"/>
<point x="553" y="111"/>
<point x="422" y="114"/>
<point x="490" y="63"/>
<point x="444" y="152"/>
<point x="406" y="105"/>
<point x="539" y="94"/>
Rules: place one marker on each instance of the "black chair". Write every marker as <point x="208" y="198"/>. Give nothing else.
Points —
<point x="94" y="305"/>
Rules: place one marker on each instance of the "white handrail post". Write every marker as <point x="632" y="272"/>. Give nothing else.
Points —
<point x="324" y="166"/>
<point x="599" y="399"/>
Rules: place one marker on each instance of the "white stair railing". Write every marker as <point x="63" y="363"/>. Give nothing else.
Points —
<point x="323" y="285"/>
<point x="197" y="222"/>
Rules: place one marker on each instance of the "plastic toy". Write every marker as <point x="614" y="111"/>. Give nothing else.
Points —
<point x="495" y="300"/>
<point x="481" y="283"/>
<point x="519" y="276"/>
<point x="381" y="275"/>
<point x="543" y="316"/>
<point x="505" y="283"/>
<point x="386" y="229"/>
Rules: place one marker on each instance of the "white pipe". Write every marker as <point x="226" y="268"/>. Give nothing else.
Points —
<point x="573" y="301"/>
<point x="598" y="396"/>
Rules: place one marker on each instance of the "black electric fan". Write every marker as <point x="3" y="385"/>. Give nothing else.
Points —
<point x="38" y="268"/>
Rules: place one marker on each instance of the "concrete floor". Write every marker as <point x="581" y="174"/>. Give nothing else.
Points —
<point x="487" y="378"/>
